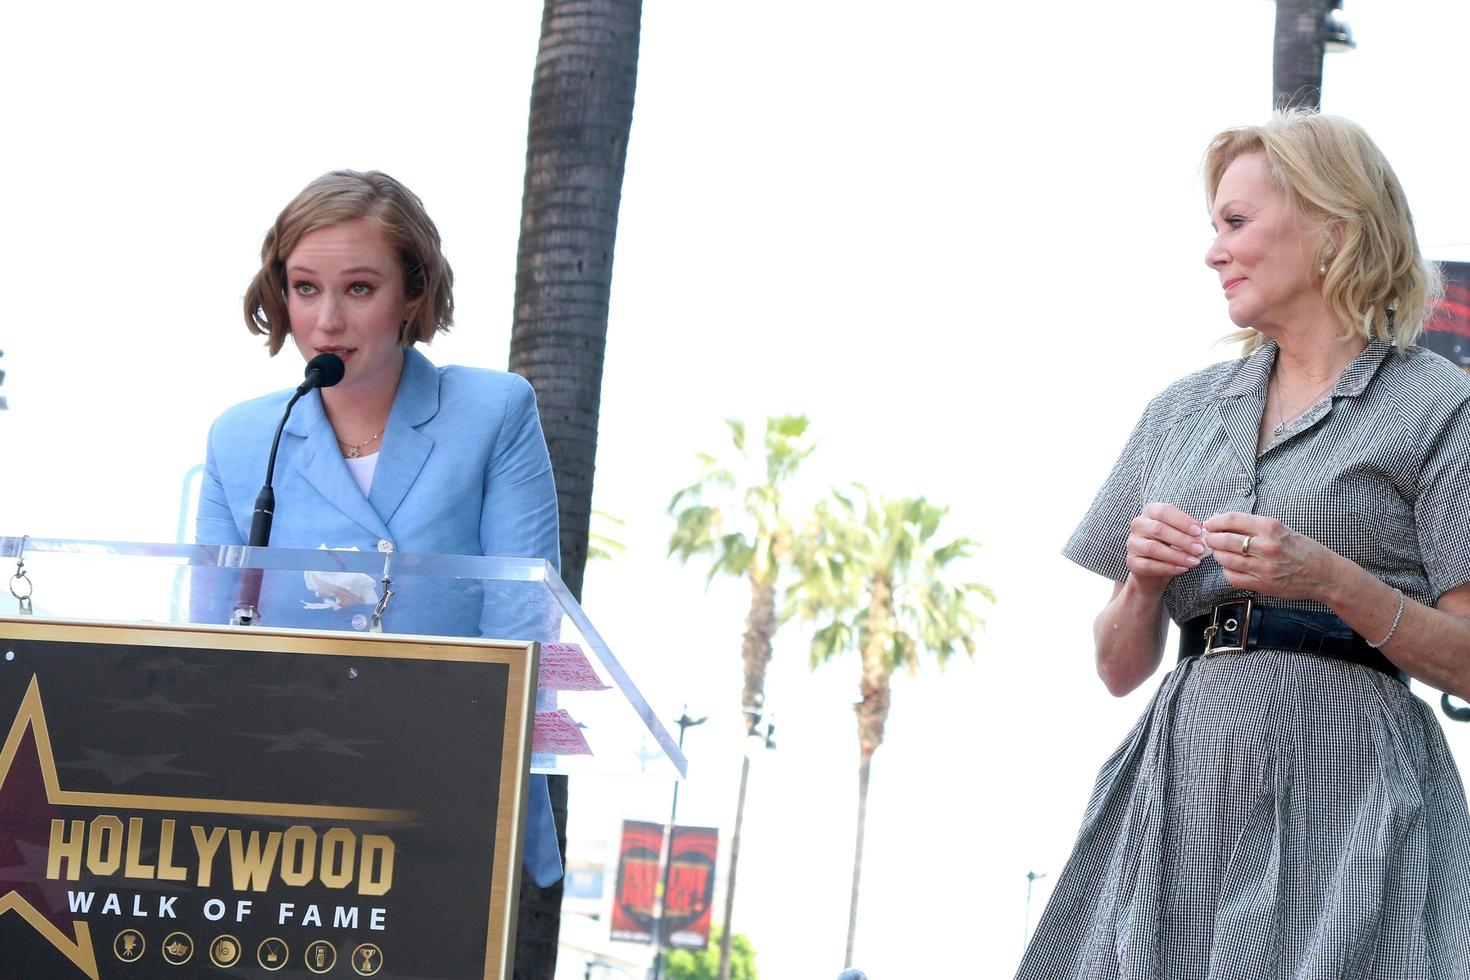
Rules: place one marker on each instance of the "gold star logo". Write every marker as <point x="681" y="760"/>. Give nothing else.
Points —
<point x="27" y="758"/>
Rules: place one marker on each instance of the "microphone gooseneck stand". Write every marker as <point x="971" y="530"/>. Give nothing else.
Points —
<point x="322" y="371"/>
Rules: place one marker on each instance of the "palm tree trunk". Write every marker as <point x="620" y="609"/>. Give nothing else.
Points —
<point x="872" y="718"/>
<point x="581" y="115"/>
<point x="865" y="763"/>
<point x="580" y="118"/>
<point x="755" y="655"/>
<point x="1296" y="67"/>
<point x="755" y="646"/>
<point x="734" y="864"/>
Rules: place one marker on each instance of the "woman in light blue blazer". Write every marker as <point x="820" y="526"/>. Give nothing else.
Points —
<point x="399" y="455"/>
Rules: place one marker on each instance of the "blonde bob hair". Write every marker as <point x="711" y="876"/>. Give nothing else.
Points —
<point x="1376" y="282"/>
<point x="348" y="195"/>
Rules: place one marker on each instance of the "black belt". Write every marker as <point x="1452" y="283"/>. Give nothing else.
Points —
<point x="1238" y="626"/>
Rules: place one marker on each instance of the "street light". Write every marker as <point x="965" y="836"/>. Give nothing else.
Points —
<point x="1336" y="34"/>
<point x="754" y="741"/>
<point x="1031" y="877"/>
<point x="760" y="731"/>
<point x="684" y="722"/>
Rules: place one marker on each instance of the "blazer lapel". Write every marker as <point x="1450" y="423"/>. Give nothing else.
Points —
<point x="320" y="463"/>
<point x="405" y="447"/>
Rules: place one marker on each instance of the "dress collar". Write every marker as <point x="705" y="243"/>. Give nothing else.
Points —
<point x="1254" y="372"/>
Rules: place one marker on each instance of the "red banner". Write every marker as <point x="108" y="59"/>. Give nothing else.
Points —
<point x="691" y="884"/>
<point x="638" y="880"/>
<point x="691" y="887"/>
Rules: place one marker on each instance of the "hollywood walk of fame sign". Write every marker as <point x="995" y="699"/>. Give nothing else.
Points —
<point x="290" y="803"/>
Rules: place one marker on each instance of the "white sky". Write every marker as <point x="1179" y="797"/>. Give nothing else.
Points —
<point x="965" y="238"/>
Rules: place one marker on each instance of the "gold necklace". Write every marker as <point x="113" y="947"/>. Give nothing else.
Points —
<point x="353" y="450"/>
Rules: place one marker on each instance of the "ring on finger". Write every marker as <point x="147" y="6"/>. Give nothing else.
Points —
<point x="1245" y="546"/>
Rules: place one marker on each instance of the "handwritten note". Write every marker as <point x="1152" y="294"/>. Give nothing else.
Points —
<point x="557" y="733"/>
<point x="564" y="667"/>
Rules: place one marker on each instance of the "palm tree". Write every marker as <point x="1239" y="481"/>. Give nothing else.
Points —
<point x="580" y="119"/>
<point x="874" y="577"/>
<point x="732" y="517"/>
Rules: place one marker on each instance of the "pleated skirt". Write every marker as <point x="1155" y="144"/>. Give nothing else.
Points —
<point x="1271" y="815"/>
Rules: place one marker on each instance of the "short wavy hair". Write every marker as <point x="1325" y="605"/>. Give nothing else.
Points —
<point x="1377" y="282"/>
<point x="349" y="195"/>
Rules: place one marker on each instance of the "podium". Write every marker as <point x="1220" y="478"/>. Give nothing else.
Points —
<point x="339" y="790"/>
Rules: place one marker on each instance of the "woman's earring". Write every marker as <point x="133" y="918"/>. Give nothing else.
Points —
<point x="1322" y="268"/>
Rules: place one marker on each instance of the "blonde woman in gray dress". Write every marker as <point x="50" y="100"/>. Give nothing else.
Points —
<point x="1285" y="807"/>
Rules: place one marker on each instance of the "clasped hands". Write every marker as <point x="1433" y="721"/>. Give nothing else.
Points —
<point x="1257" y="554"/>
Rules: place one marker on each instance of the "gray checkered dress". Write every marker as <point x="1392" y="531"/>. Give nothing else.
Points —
<point x="1274" y="814"/>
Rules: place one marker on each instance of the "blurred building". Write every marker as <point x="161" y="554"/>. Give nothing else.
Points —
<point x="1448" y="331"/>
<point x="586" y="950"/>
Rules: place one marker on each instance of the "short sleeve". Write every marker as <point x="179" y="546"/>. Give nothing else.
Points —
<point x="1442" y="509"/>
<point x="1100" y="543"/>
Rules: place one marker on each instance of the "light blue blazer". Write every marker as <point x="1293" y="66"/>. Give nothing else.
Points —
<point x="462" y="470"/>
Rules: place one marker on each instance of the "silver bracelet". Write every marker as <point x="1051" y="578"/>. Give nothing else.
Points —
<point x="1395" y="627"/>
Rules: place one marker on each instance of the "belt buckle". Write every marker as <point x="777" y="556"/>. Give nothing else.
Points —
<point x="1241" y="628"/>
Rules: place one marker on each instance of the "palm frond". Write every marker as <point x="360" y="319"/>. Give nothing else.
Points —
<point x="857" y="542"/>
<point x="604" y="547"/>
<point x="832" y="640"/>
<point x="737" y="433"/>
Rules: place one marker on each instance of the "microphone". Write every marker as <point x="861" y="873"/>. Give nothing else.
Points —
<point x="322" y="371"/>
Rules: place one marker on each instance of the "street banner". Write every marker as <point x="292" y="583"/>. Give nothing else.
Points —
<point x="259" y="802"/>
<point x="638" y="881"/>
<point x="1448" y="330"/>
<point x="687" y="906"/>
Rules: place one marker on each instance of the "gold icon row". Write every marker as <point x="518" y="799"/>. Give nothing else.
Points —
<point x="225" y="951"/>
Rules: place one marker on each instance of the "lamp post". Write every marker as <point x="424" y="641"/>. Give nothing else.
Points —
<point x="1031" y="877"/>
<point x="684" y="722"/>
<point x="755" y="740"/>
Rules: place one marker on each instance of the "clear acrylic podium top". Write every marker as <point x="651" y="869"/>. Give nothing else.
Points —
<point x="512" y="599"/>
